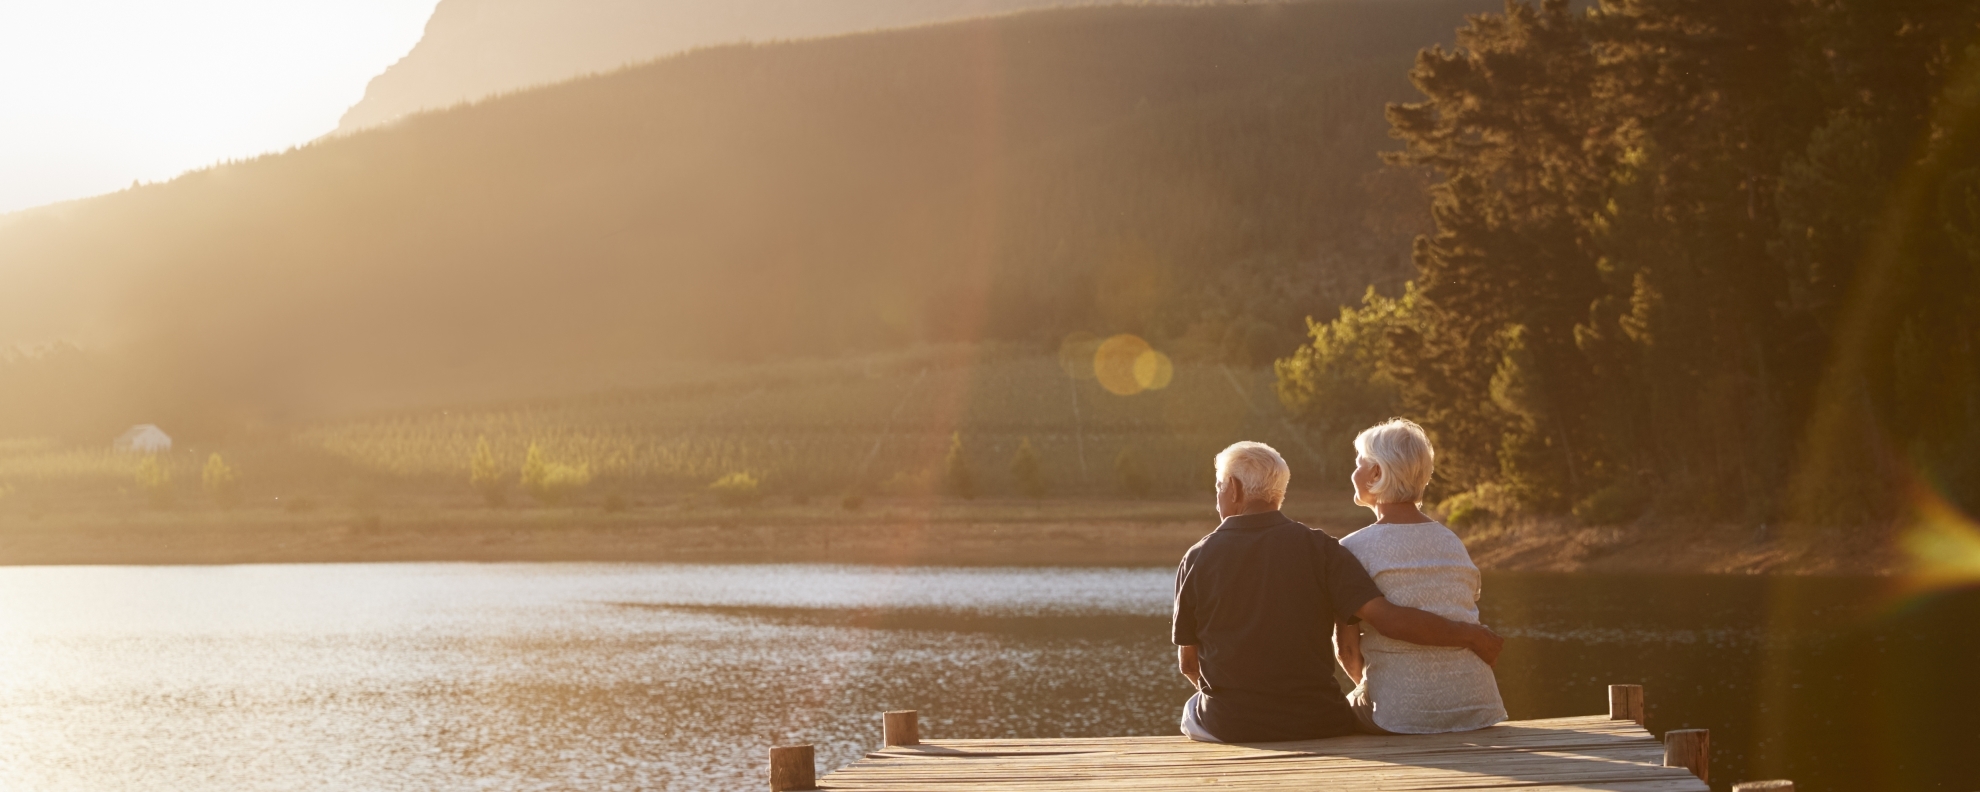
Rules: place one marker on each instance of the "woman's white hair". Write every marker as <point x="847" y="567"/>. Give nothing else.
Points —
<point x="1258" y="467"/>
<point x="1403" y="451"/>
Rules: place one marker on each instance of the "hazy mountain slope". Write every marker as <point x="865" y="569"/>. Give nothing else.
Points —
<point x="1199" y="175"/>
<point x="477" y="48"/>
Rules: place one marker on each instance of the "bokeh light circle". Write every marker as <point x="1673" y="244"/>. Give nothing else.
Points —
<point x="1126" y="365"/>
<point x="1113" y="364"/>
<point x="1153" y="370"/>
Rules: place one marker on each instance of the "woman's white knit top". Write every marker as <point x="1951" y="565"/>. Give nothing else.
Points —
<point x="1424" y="689"/>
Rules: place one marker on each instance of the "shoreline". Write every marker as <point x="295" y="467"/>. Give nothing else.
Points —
<point x="890" y="533"/>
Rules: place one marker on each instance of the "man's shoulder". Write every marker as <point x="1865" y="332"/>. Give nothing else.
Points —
<point x="1294" y="525"/>
<point x="1282" y="533"/>
<point x="1195" y="551"/>
<point x="1299" y="531"/>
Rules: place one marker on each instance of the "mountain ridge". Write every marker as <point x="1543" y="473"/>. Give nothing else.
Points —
<point x="475" y="49"/>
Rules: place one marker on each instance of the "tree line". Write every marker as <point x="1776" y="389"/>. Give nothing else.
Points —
<point x="1717" y="259"/>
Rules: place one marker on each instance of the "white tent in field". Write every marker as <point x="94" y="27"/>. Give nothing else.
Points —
<point x="143" y="439"/>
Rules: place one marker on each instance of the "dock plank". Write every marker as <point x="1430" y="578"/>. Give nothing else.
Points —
<point x="1553" y="755"/>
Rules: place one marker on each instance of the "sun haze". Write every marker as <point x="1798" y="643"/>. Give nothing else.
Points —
<point x="101" y="93"/>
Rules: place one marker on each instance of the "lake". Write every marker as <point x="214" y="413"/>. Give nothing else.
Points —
<point x="636" y="676"/>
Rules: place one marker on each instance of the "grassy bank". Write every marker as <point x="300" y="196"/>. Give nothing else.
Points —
<point x="1061" y="532"/>
<point x="880" y="425"/>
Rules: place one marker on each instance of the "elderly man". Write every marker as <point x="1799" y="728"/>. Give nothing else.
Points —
<point x="1256" y="604"/>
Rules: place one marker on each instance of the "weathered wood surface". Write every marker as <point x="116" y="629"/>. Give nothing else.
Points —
<point x="1626" y="703"/>
<point x="1588" y="753"/>
<point x="901" y="727"/>
<point x="793" y="768"/>
<point x="1690" y="749"/>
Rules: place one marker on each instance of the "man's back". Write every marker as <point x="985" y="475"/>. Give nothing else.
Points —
<point x="1259" y="597"/>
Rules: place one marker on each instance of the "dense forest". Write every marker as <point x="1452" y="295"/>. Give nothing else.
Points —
<point x="1204" y="176"/>
<point x="1717" y="259"/>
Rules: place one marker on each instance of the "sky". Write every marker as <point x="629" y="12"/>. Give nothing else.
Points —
<point x="96" y="94"/>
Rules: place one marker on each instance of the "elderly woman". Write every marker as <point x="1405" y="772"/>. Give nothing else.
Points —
<point x="1405" y="688"/>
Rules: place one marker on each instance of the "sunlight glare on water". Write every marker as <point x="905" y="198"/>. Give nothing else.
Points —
<point x="496" y="677"/>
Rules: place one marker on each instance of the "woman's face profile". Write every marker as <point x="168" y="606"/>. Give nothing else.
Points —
<point x="1366" y="473"/>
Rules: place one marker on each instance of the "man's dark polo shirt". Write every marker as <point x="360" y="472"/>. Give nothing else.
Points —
<point x="1259" y="598"/>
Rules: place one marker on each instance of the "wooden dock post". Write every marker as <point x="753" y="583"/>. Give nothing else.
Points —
<point x="1626" y="703"/>
<point x="901" y="727"/>
<point x="1690" y="749"/>
<point x="1764" y="786"/>
<point x="793" y="768"/>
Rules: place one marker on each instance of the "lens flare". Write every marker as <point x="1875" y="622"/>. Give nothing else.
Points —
<point x="1113" y="364"/>
<point x="1153" y="371"/>
<point x="1941" y="545"/>
<point x="1126" y="365"/>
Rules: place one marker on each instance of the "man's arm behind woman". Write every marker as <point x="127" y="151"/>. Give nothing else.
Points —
<point x="1425" y="629"/>
<point x="1395" y="621"/>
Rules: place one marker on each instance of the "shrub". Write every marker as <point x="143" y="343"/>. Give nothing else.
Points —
<point x="485" y="474"/>
<point x="955" y="470"/>
<point x="299" y="505"/>
<point x="1025" y="470"/>
<point x="1133" y="475"/>
<point x="221" y="483"/>
<point x="1477" y="506"/>
<point x="551" y="483"/>
<point x="853" y="502"/>
<point x="1611" y="505"/>
<point x="736" y="489"/>
<point x="1461" y="511"/>
<point x="154" y="479"/>
<point x="615" y="503"/>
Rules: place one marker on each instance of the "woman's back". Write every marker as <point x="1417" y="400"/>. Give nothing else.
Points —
<point x="1424" y="689"/>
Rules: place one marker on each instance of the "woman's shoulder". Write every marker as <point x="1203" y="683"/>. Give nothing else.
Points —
<point x="1410" y="538"/>
<point x="1396" y="532"/>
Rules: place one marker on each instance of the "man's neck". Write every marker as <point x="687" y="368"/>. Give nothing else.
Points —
<point x="1254" y="507"/>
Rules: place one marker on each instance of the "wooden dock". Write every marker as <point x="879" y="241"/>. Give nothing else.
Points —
<point x="1602" y="752"/>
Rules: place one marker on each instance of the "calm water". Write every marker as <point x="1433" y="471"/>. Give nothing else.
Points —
<point x="605" y="677"/>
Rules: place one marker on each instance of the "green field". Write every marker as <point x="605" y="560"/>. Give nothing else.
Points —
<point x="879" y="425"/>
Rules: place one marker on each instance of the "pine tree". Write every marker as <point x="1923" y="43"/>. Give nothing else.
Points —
<point x="956" y="472"/>
<point x="154" y="479"/>
<point x="485" y="474"/>
<point x="1025" y="470"/>
<point x="221" y="483"/>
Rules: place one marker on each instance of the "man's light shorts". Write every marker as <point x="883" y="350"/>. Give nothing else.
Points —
<point x="1192" y="723"/>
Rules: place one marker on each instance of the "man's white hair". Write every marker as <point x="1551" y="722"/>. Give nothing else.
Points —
<point x="1256" y="465"/>
<point x="1403" y="451"/>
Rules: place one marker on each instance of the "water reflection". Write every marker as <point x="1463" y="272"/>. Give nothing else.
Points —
<point x="554" y="676"/>
<point x="438" y="677"/>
